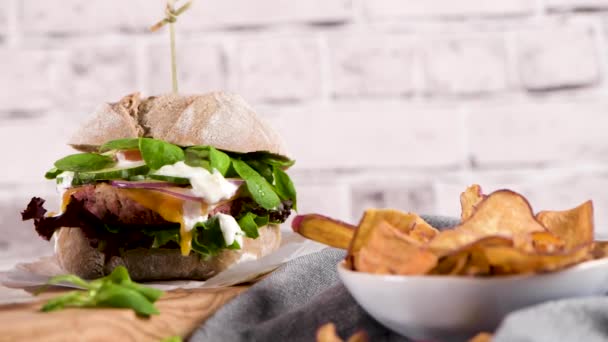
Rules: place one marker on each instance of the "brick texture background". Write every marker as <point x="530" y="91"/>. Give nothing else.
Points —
<point x="382" y="102"/>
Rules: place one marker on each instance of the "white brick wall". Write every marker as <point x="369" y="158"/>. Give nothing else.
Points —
<point x="465" y="65"/>
<point x="557" y="57"/>
<point x="372" y="65"/>
<point x="278" y="68"/>
<point x="382" y="102"/>
<point x="440" y="8"/>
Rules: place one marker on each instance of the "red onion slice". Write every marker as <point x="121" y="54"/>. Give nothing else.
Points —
<point x="181" y="193"/>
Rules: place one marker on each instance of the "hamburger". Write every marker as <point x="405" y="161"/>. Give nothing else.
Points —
<point x="171" y="187"/>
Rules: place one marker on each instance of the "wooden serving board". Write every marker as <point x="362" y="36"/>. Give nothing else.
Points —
<point x="181" y="311"/>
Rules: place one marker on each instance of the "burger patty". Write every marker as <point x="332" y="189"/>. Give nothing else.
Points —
<point x="113" y="206"/>
<point x="111" y="219"/>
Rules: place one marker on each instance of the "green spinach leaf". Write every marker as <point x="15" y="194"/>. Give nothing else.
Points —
<point x="120" y="144"/>
<point x="284" y="186"/>
<point x="157" y="153"/>
<point x="249" y="225"/>
<point x="52" y="173"/>
<point x="261" y="191"/>
<point x="82" y="162"/>
<point x="208" y="157"/>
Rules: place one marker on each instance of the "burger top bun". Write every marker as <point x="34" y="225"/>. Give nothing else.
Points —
<point x="219" y="119"/>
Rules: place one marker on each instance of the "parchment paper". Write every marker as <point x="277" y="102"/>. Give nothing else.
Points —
<point x="37" y="273"/>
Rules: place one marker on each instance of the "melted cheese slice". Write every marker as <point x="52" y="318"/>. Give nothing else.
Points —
<point x="169" y="207"/>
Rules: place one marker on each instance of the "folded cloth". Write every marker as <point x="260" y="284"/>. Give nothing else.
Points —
<point x="295" y="300"/>
<point x="578" y="319"/>
<point x="291" y="304"/>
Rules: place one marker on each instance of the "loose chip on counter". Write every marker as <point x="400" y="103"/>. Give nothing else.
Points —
<point x="469" y="200"/>
<point x="574" y="226"/>
<point x="328" y="333"/>
<point x="324" y="230"/>
<point x="482" y="337"/>
<point x="387" y="250"/>
<point x="503" y="213"/>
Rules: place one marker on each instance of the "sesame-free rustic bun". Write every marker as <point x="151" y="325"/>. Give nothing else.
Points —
<point x="220" y="119"/>
<point x="75" y="255"/>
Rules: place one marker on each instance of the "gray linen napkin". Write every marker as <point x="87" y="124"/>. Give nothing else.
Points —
<point x="297" y="298"/>
<point x="291" y="303"/>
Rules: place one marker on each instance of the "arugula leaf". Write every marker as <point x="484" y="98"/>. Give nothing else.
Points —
<point x="117" y="296"/>
<point x="208" y="157"/>
<point x="162" y="237"/>
<point x="249" y="225"/>
<point x="207" y="237"/>
<point x="261" y="191"/>
<point x="52" y="173"/>
<point x="284" y="186"/>
<point x="262" y="220"/>
<point x="120" y="144"/>
<point x="157" y="153"/>
<point x="84" y="162"/>
<point x="114" y="290"/>
<point x="72" y="298"/>
<point x="172" y="339"/>
<point x="69" y="278"/>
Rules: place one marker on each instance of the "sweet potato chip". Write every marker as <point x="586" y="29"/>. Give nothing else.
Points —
<point x="545" y="242"/>
<point x="510" y="260"/>
<point x="470" y="259"/>
<point x="328" y="333"/>
<point x="469" y="200"/>
<point x="324" y="230"/>
<point x="482" y="337"/>
<point x="410" y="224"/>
<point x="502" y="213"/>
<point x="387" y="250"/>
<point x="599" y="249"/>
<point x="574" y="226"/>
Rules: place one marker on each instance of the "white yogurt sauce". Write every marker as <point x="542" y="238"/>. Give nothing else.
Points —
<point x="192" y="214"/>
<point x="212" y="187"/>
<point x="230" y="229"/>
<point x="66" y="178"/>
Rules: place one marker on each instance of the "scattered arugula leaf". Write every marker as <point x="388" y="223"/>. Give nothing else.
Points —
<point x="261" y="191"/>
<point x="120" y="144"/>
<point x="284" y="186"/>
<point x="115" y="290"/>
<point x="172" y="339"/>
<point x="82" y="162"/>
<point x="157" y="153"/>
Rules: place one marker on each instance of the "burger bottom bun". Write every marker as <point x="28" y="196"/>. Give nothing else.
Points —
<point x="76" y="256"/>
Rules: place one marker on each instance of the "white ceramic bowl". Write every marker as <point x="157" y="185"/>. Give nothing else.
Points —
<point x="449" y="308"/>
